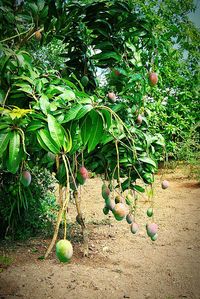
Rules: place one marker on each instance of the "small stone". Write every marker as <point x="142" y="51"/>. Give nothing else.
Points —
<point x="126" y="296"/>
<point x="190" y="247"/>
<point x="105" y="249"/>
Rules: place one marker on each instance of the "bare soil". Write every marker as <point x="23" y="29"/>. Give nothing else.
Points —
<point x="120" y="264"/>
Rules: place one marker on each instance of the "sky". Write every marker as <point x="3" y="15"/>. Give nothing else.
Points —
<point x="195" y="17"/>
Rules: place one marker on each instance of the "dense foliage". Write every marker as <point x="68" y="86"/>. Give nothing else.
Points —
<point x="75" y="89"/>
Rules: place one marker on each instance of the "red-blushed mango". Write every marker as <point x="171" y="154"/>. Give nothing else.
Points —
<point x="120" y="211"/>
<point x="129" y="218"/>
<point x="64" y="250"/>
<point x="139" y="119"/>
<point x="112" y="96"/>
<point x="165" y="184"/>
<point x="151" y="229"/>
<point x="153" y="78"/>
<point x="83" y="172"/>
<point x="82" y="175"/>
<point x="105" y="191"/>
<point x="26" y="178"/>
<point x="134" y="228"/>
<point x="150" y="212"/>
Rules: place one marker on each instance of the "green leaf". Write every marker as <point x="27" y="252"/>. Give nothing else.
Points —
<point x="44" y="103"/>
<point x="55" y="130"/>
<point x="68" y="95"/>
<point x="41" y="142"/>
<point x="48" y="141"/>
<point x="83" y="111"/>
<point x="4" y="139"/>
<point x="33" y="8"/>
<point x="25" y="78"/>
<point x="40" y="4"/>
<point x="34" y="125"/>
<point x="118" y="107"/>
<point x="14" y="152"/>
<point x="44" y="12"/>
<point x="138" y="188"/>
<point x="125" y="185"/>
<point x="4" y="126"/>
<point x="108" y="118"/>
<point x="96" y="132"/>
<point x="147" y="160"/>
<point x="107" y="55"/>
<point x="67" y="141"/>
<point x="86" y="129"/>
<point x="106" y="138"/>
<point x="72" y="113"/>
<point x="25" y="88"/>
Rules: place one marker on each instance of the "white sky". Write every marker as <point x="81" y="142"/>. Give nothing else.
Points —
<point x="195" y="17"/>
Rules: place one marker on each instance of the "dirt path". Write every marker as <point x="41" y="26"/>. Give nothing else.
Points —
<point x="120" y="264"/>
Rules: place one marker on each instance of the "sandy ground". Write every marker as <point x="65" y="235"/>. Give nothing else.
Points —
<point x="120" y="264"/>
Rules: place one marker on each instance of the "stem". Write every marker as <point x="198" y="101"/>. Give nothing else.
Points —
<point x="83" y="226"/>
<point x="118" y="166"/>
<point x="6" y="96"/>
<point x="65" y="224"/>
<point x="30" y="32"/>
<point x="74" y="181"/>
<point x="59" y="218"/>
<point x="63" y="206"/>
<point x="11" y="37"/>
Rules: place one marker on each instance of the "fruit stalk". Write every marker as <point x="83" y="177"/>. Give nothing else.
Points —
<point x="63" y="207"/>
<point x="59" y="218"/>
<point x="83" y="226"/>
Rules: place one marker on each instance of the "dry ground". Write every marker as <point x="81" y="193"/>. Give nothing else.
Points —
<point x="120" y="265"/>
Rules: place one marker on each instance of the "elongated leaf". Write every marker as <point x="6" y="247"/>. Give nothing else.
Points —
<point x="48" y="141"/>
<point x="67" y="141"/>
<point x="106" y="138"/>
<point x="96" y="132"/>
<point x="41" y="142"/>
<point x="138" y="188"/>
<point x="4" y="126"/>
<point x="44" y="103"/>
<point x="25" y="87"/>
<point x="14" y="152"/>
<point x="33" y="8"/>
<point x="86" y="128"/>
<point x="40" y="4"/>
<point x="4" y="139"/>
<point x="72" y="113"/>
<point x="83" y="111"/>
<point x="68" y="95"/>
<point x="34" y="125"/>
<point x="108" y="118"/>
<point x="55" y="130"/>
<point x="107" y="55"/>
<point x="147" y="160"/>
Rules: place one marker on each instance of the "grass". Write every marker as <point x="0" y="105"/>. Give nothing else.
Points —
<point x="5" y="262"/>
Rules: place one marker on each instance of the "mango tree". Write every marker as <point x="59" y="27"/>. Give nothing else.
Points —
<point x="73" y="120"/>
